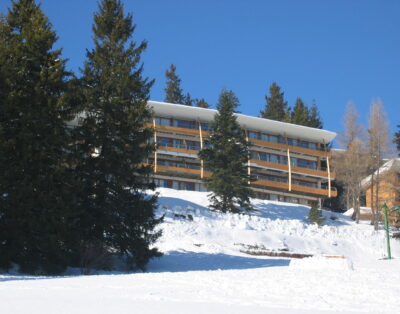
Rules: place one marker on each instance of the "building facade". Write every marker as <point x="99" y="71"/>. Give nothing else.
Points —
<point x="290" y="162"/>
<point x="388" y="189"/>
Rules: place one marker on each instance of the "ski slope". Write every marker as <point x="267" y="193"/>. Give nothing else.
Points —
<point x="204" y="268"/>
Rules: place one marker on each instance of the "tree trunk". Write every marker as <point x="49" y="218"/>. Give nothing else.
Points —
<point x="377" y="199"/>
<point x="373" y="214"/>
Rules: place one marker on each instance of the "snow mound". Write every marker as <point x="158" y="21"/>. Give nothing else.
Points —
<point x="321" y="262"/>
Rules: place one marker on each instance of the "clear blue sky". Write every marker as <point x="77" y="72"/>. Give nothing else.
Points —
<point x="331" y="50"/>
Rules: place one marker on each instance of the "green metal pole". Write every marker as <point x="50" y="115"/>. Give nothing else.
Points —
<point x="385" y="208"/>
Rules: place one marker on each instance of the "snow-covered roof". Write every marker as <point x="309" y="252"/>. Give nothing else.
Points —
<point x="252" y="123"/>
<point x="391" y="165"/>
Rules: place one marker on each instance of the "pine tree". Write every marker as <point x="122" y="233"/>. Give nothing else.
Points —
<point x="226" y="154"/>
<point x="201" y="103"/>
<point x="188" y="101"/>
<point x="299" y="114"/>
<point x="397" y="139"/>
<point x="314" y="119"/>
<point x="276" y="107"/>
<point x="315" y="215"/>
<point x="173" y="91"/>
<point x="36" y="202"/>
<point x="113" y="142"/>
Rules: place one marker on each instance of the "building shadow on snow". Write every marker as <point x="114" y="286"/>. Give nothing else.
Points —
<point x="177" y="261"/>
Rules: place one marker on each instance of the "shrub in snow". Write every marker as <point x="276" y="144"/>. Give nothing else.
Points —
<point x="315" y="215"/>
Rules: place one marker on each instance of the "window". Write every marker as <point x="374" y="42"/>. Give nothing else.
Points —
<point x="187" y="186"/>
<point x="252" y="134"/>
<point x="205" y="126"/>
<point x="163" y="121"/>
<point x="273" y="158"/>
<point x="265" y="137"/>
<point x="292" y="142"/>
<point x="273" y="138"/>
<point x="184" y="124"/>
<point x="193" y="145"/>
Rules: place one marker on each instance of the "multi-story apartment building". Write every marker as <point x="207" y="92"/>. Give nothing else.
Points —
<point x="290" y="162"/>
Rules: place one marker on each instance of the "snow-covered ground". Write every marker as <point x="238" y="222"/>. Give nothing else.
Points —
<point x="204" y="271"/>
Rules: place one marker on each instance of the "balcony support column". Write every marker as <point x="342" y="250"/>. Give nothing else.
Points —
<point x="329" y="176"/>
<point x="249" y="157"/>
<point x="201" y="147"/>
<point x="289" y="171"/>
<point x="155" y="144"/>
<point x="328" y="168"/>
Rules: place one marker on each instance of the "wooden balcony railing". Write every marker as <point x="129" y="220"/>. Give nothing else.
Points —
<point x="174" y="129"/>
<point x="178" y="150"/>
<point x="267" y="144"/>
<point x="297" y="149"/>
<point x="182" y="170"/>
<point x="295" y="188"/>
<point x="294" y="169"/>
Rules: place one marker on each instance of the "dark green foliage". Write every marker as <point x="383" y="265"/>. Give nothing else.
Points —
<point x="276" y="106"/>
<point x="188" y="101"/>
<point x="300" y="113"/>
<point x="173" y="91"/>
<point x="36" y="196"/>
<point x="315" y="215"/>
<point x="201" y="103"/>
<point x="314" y="119"/>
<point x="397" y="139"/>
<point x="112" y="142"/>
<point x="334" y="203"/>
<point x="226" y="154"/>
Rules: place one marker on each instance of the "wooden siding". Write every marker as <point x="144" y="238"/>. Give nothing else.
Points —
<point x="389" y="190"/>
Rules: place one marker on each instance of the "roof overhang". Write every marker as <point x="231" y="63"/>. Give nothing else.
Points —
<point x="252" y="123"/>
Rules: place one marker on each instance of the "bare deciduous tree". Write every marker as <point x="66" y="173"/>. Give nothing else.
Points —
<point x="351" y="164"/>
<point x="378" y="147"/>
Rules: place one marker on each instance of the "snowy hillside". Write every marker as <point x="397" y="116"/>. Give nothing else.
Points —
<point x="205" y="268"/>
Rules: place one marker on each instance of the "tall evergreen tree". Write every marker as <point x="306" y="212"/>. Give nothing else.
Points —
<point x="173" y="90"/>
<point x="188" y="101"/>
<point x="299" y="114"/>
<point x="113" y="142"/>
<point x="314" y="119"/>
<point x="226" y="154"/>
<point x="397" y="139"/>
<point x="201" y="103"/>
<point x="35" y="197"/>
<point x="276" y="107"/>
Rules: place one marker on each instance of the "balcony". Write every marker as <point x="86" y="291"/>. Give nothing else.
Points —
<point x="177" y="130"/>
<point x="297" y="149"/>
<point x="197" y="172"/>
<point x="295" y="188"/>
<point x="178" y="149"/>
<point x="294" y="169"/>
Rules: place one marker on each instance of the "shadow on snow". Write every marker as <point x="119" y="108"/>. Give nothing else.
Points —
<point x="182" y="261"/>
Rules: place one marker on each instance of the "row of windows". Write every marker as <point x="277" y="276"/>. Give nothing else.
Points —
<point x="280" y="139"/>
<point x="182" y="123"/>
<point x="279" y="159"/>
<point x="271" y="178"/>
<point x="251" y="134"/>
<point x="285" y="180"/>
<point x="180" y="185"/>
<point x="305" y="183"/>
<point x="176" y="164"/>
<point x="281" y="198"/>
<point x="191" y="186"/>
<point x="178" y="143"/>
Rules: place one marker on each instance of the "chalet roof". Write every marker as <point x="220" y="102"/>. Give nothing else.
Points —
<point x="253" y="123"/>
<point x="391" y="165"/>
